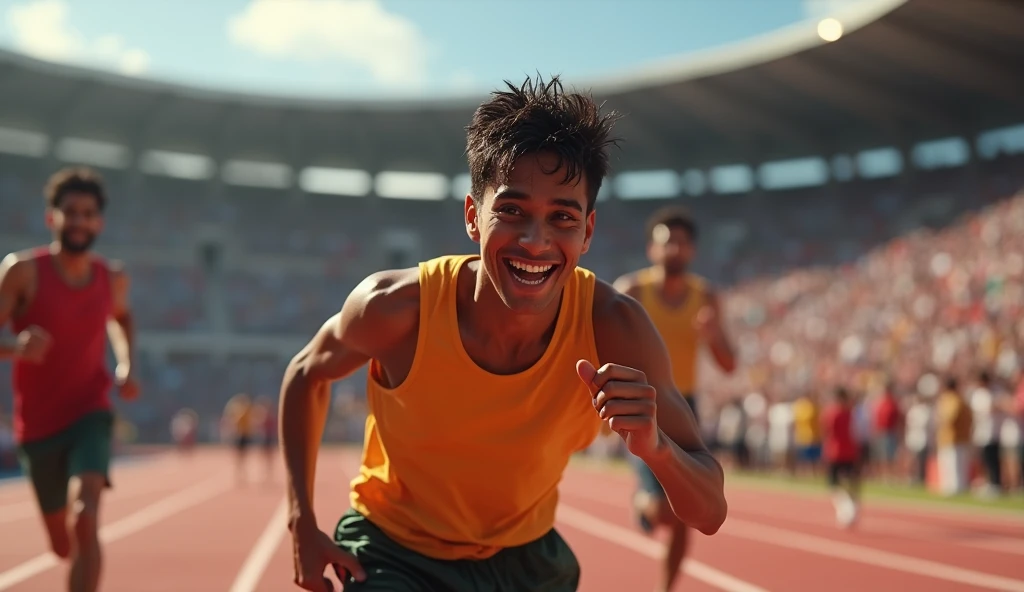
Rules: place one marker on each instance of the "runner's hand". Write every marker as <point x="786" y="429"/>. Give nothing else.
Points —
<point x="706" y="321"/>
<point x="312" y="552"/>
<point x="33" y="344"/>
<point x="127" y="384"/>
<point x="626" y="402"/>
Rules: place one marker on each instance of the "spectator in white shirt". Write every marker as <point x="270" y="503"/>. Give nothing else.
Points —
<point x="988" y="417"/>
<point x="918" y="438"/>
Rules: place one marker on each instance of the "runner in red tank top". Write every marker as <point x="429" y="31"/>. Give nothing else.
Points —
<point x="842" y="455"/>
<point x="60" y="299"/>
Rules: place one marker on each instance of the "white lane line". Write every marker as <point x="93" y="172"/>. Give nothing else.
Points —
<point x="629" y="539"/>
<point x="781" y="537"/>
<point x="262" y="552"/>
<point x="819" y="545"/>
<point x="151" y="514"/>
<point x="24" y="510"/>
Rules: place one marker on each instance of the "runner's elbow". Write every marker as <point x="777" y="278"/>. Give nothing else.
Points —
<point x="714" y="518"/>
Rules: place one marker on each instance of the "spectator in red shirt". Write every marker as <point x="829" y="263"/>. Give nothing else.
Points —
<point x="842" y="458"/>
<point x="888" y="426"/>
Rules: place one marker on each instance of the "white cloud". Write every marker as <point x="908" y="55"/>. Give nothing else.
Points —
<point x="356" y="32"/>
<point x="41" y="28"/>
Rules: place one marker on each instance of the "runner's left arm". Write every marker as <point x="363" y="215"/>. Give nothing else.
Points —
<point x="121" y="326"/>
<point x="8" y="299"/>
<point x="711" y="326"/>
<point x="692" y="478"/>
<point x="33" y="343"/>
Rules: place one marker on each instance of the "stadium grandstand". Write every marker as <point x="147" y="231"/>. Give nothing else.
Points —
<point x="858" y="182"/>
<point x="247" y="219"/>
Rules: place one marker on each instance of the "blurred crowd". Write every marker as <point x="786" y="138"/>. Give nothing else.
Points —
<point x="164" y="226"/>
<point x="892" y="288"/>
<point x="951" y="436"/>
<point x="927" y="331"/>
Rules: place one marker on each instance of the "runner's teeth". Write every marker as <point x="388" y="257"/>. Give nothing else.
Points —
<point x="529" y="282"/>
<point x="531" y="268"/>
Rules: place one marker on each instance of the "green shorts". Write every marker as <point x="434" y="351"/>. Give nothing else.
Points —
<point x="82" y="447"/>
<point x="545" y="565"/>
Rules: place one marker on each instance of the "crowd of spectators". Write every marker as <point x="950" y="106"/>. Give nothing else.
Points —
<point x="886" y="287"/>
<point x="927" y="331"/>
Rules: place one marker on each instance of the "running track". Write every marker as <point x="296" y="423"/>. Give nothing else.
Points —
<point x="174" y="523"/>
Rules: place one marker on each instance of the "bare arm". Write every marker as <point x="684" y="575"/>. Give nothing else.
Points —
<point x="380" y="312"/>
<point x="693" y="480"/>
<point x="11" y="286"/>
<point x="715" y="336"/>
<point x="121" y="327"/>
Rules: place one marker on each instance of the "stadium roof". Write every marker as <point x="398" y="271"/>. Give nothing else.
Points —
<point x="903" y="71"/>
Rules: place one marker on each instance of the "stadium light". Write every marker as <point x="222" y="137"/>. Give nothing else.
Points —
<point x="178" y="165"/>
<point x="247" y="173"/>
<point x="731" y="178"/>
<point x="93" y="152"/>
<point x="830" y="29"/>
<point x="462" y="184"/>
<point x="332" y="181"/>
<point x="410" y="185"/>
<point x="23" y="142"/>
<point x="657" y="184"/>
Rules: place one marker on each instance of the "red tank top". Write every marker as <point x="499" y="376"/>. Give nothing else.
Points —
<point x="73" y="379"/>
<point x="839" y="444"/>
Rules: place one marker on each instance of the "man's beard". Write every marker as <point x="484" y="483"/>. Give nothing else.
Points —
<point x="76" y="247"/>
<point x="674" y="268"/>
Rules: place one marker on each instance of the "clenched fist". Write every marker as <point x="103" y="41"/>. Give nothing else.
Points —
<point x="626" y="402"/>
<point x="33" y="344"/>
<point x="127" y="385"/>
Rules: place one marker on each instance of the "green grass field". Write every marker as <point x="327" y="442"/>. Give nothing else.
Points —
<point x="895" y="493"/>
<point x="878" y="490"/>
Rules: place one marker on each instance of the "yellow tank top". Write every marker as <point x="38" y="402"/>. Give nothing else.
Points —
<point x="675" y="325"/>
<point x="242" y="415"/>
<point x="458" y="462"/>
<point x="806" y="422"/>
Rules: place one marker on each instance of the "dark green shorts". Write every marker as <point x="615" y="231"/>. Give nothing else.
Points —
<point x="545" y="565"/>
<point x="82" y="447"/>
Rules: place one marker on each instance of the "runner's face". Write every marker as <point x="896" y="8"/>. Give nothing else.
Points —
<point x="76" y="221"/>
<point x="672" y="248"/>
<point x="532" y="232"/>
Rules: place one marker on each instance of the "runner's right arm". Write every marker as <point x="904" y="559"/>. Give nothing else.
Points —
<point x="378" y="314"/>
<point x="8" y="298"/>
<point x="13" y="276"/>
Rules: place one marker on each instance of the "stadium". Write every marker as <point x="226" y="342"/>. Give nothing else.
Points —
<point x="859" y="195"/>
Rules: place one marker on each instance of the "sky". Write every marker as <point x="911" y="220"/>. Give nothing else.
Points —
<point x="382" y="48"/>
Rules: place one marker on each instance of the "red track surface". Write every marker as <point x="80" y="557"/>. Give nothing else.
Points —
<point x="175" y="523"/>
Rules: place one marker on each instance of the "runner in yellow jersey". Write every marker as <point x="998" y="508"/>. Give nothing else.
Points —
<point x="238" y="421"/>
<point x="686" y="313"/>
<point x="486" y="373"/>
